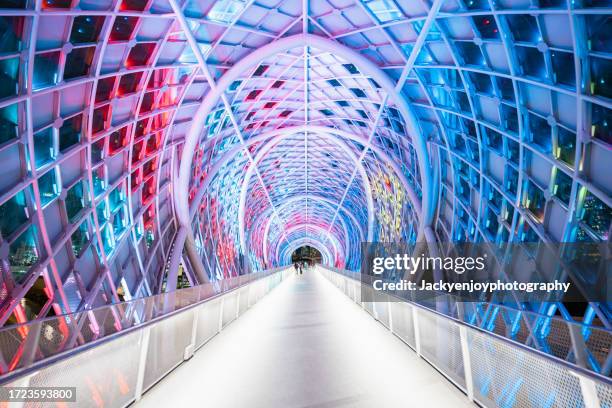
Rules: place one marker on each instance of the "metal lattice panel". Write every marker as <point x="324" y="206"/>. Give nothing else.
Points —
<point x="124" y="145"/>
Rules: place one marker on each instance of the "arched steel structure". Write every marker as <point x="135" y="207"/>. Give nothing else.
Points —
<point x="152" y="144"/>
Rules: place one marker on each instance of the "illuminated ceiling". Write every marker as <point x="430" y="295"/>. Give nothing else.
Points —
<point x="246" y="129"/>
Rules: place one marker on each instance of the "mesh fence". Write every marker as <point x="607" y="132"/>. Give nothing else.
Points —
<point x="503" y="371"/>
<point x="113" y="373"/>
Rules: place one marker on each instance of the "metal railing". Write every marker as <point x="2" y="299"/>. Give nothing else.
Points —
<point x="114" y="353"/>
<point x="493" y="370"/>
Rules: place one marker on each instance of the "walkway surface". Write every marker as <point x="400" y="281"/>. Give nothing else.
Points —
<point x="305" y="345"/>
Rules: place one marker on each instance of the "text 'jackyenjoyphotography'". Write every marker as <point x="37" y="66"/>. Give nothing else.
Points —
<point x="471" y="286"/>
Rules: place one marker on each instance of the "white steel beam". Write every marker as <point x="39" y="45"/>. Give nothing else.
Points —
<point x="366" y="66"/>
<point x="228" y="108"/>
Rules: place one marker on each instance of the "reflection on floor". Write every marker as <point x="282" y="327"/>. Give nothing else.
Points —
<point x="305" y="345"/>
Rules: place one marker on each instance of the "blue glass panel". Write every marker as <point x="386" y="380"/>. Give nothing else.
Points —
<point x="9" y="123"/>
<point x="23" y="254"/>
<point x="9" y="74"/>
<point x="46" y="70"/>
<point x="49" y="187"/>
<point x="13" y="214"/>
<point x="44" y="151"/>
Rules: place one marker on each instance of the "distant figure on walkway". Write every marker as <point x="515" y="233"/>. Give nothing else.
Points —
<point x="296" y="265"/>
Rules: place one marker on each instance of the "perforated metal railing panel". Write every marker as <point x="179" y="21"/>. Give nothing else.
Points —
<point x="440" y="344"/>
<point x="167" y="343"/>
<point x="505" y="376"/>
<point x="403" y="326"/>
<point x="502" y="372"/>
<point x="103" y="376"/>
<point x="114" y="371"/>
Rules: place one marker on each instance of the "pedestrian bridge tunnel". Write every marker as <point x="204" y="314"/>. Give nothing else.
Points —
<point x="152" y="146"/>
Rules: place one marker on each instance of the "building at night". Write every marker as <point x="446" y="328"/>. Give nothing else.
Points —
<point x="164" y="162"/>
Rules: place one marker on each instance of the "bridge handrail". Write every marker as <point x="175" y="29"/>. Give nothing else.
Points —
<point x="28" y="346"/>
<point x="489" y="367"/>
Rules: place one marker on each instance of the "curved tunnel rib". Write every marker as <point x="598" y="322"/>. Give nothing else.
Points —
<point x="130" y="129"/>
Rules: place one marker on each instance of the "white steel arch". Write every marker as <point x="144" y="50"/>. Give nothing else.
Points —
<point x="288" y="43"/>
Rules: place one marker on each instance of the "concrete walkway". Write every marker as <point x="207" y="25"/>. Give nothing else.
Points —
<point x="305" y="345"/>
